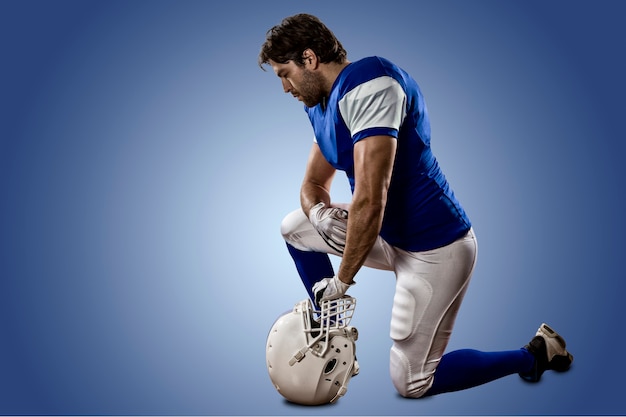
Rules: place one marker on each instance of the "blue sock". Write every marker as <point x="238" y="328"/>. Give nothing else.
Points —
<point x="312" y="267"/>
<point x="468" y="368"/>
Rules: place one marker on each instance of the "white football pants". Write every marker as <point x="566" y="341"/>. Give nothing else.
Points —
<point x="430" y="286"/>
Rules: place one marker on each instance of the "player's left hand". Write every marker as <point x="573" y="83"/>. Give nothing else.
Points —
<point x="329" y="289"/>
<point x="331" y="223"/>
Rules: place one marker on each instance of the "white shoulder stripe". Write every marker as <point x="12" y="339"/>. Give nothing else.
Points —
<point x="380" y="102"/>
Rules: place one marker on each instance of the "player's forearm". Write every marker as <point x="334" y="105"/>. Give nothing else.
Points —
<point x="364" y="223"/>
<point x="311" y="194"/>
<point x="317" y="180"/>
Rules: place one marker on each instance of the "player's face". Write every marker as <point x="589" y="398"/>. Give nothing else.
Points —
<point x="303" y="84"/>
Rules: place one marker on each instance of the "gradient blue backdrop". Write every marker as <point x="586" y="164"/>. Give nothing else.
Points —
<point x="146" y="163"/>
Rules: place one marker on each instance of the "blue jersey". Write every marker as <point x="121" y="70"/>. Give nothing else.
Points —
<point x="372" y="97"/>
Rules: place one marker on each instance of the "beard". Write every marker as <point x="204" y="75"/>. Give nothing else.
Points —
<point x="310" y="91"/>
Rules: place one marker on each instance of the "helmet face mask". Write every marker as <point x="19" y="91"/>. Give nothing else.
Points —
<point x="311" y="353"/>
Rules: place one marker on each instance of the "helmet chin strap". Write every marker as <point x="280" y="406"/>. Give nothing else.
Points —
<point x="297" y="357"/>
<point x="344" y="384"/>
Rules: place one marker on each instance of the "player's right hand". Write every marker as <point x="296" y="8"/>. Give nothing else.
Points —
<point x="331" y="223"/>
<point x="329" y="289"/>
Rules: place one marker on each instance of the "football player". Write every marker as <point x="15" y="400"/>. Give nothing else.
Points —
<point x="370" y="121"/>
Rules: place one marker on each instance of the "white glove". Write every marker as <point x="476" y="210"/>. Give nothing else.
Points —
<point x="331" y="223"/>
<point x="329" y="289"/>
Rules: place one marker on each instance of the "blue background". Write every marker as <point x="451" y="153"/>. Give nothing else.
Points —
<point x="146" y="162"/>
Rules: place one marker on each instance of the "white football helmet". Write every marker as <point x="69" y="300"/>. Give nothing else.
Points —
<point x="311" y="353"/>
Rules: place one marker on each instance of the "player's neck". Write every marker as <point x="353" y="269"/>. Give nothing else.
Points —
<point x="331" y="72"/>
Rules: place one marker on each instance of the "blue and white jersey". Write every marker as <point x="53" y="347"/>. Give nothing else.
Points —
<point x="372" y="97"/>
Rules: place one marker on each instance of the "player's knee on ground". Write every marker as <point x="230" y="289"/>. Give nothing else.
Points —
<point x="407" y="382"/>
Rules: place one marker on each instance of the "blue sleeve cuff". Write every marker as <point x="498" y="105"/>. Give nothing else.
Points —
<point x="375" y="131"/>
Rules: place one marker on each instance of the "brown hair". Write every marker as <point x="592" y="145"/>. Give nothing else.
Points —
<point x="288" y="41"/>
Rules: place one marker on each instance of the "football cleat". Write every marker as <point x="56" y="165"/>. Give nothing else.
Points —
<point x="548" y="348"/>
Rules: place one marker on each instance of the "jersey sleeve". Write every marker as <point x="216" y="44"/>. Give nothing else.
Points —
<point x="375" y="107"/>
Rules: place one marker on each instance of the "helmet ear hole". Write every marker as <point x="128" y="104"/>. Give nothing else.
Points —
<point x="330" y="366"/>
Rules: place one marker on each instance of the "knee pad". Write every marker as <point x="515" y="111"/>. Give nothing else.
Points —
<point x="290" y="227"/>
<point x="403" y="377"/>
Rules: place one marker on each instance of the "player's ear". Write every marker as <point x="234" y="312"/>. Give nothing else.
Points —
<point x="310" y="59"/>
